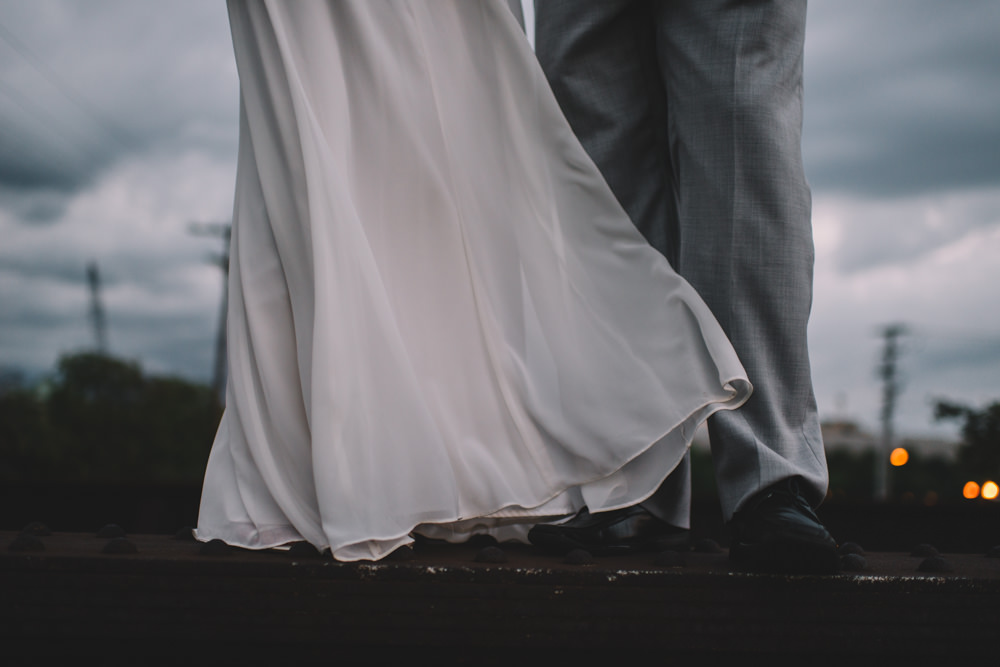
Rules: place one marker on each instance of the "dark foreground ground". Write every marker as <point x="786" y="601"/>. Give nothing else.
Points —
<point x="174" y="601"/>
<point x="168" y="602"/>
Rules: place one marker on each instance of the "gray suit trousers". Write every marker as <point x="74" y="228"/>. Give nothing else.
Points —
<point x="692" y="110"/>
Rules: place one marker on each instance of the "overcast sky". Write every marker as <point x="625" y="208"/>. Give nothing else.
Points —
<point x="118" y="130"/>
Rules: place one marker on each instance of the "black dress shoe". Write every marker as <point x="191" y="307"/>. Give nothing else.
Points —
<point x="608" y="533"/>
<point x="778" y="531"/>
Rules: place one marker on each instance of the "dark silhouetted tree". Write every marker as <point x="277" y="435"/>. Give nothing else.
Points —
<point x="103" y="420"/>
<point x="979" y="453"/>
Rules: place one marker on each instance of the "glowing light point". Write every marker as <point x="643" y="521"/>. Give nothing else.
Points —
<point x="990" y="490"/>
<point x="971" y="490"/>
<point x="899" y="457"/>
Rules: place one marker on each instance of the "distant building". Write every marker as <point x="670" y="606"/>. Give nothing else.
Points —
<point x="848" y="435"/>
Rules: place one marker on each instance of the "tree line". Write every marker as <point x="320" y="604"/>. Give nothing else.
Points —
<point x="102" y="419"/>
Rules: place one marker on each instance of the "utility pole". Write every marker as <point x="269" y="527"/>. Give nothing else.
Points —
<point x="97" y="320"/>
<point x="890" y="391"/>
<point x="223" y="230"/>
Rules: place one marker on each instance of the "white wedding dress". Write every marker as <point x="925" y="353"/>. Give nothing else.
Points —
<point x="440" y="319"/>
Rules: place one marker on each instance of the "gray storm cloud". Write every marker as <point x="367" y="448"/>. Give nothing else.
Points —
<point x="902" y="98"/>
<point x="87" y="85"/>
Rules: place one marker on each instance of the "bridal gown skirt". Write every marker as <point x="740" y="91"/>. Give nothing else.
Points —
<point x="440" y="319"/>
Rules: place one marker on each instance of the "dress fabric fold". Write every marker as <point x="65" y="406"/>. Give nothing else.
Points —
<point x="440" y="319"/>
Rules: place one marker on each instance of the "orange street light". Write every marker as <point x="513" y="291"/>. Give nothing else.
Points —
<point x="899" y="457"/>
<point x="990" y="490"/>
<point x="971" y="490"/>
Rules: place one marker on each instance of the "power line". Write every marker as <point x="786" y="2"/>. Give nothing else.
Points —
<point x="97" y="318"/>
<point x="44" y="120"/>
<point x="120" y="136"/>
<point x="224" y="230"/>
<point x="890" y="392"/>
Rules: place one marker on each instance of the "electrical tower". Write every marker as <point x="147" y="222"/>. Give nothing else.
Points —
<point x="890" y="392"/>
<point x="223" y="230"/>
<point x="97" y="319"/>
